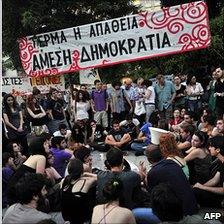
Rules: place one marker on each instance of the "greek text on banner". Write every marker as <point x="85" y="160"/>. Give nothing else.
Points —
<point x="171" y="30"/>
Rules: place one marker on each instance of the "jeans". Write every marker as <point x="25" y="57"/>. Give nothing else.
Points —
<point x="145" y="216"/>
<point x="138" y="146"/>
<point x="149" y="110"/>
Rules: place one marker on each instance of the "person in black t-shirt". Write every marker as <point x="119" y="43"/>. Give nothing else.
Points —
<point x="118" y="138"/>
<point x="56" y="111"/>
<point x="211" y="194"/>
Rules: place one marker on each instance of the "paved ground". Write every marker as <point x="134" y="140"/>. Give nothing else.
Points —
<point x="99" y="158"/>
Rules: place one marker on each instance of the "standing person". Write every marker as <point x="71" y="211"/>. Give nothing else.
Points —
<point x="139" y="110"/>
<point x="112" y="211"/>
<point x="37" y="116"/>
<point x="149" y="99"/>
<point x="30" y="191"/>
<point x="78" y="191"/>
<point x="179" y="100"/>
<point x="81" y="106"/>
<point x="56" y="111"/>
<point x="211" y="91"/>
<point x="165" y="94"/>
<point x="118" y="98"/>
<point x="219" y="92"/>
<point x="100" y="104"/>
<point x="194" y="92"/>
<point x="13" y="120"/>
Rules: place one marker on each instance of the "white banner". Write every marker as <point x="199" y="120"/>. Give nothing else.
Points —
<point x="135" y="37"/>
<point x="88" y="76"/>
<point x="19" y="86"/>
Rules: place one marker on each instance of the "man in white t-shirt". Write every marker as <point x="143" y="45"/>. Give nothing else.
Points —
<point x="63" y="132"/>
<point x="149" y="99"/>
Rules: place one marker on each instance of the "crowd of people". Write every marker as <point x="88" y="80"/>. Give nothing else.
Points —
<point x="47" y="142"/>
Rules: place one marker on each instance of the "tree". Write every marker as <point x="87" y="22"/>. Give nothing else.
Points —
<point x="29" y="17"/>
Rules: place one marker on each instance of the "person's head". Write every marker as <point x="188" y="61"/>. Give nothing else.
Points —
<point x="92" y="124"/>
<point x="7" y="159"/>
<point x="104" y="86"/>
<point x="129" y="117"/>
<point x="9" y="101"/>
<point x="74" y="92"/>
<point x="31" y="188"/>
<point x="176" y="113"/>
<point x="13" y="147"/>
<point x="54" y="93"/>
<point x="147" y="83"/>
<point x="208" y="120"/>
<point x="81" y="96"/>
<point x="154" y="119"/>
<point x="32" y="102"/>
<point x="36" y="93"/>
<point x="128" y="83"/>
<point x="83" y="153"/>
<point x="183" y="77"/>
<point x="83" y="87"/>
<point x="219" y="72"/>
<point x="58" y="142"/>
<point x="75" y="169"/>
<point x="153" y="153"/>
<point x="168" y="145"/>
<point x="47" y="137"/>
<point x="140" y="81"/>
<point x="39" y="146"/>
<point x="220" y="125"/>
<point x="199" y="139"/>
<point x="182" y="112"/>
<point x="113" y="190"/>
<point x="216" y="145"/>
<point x="50" y="159"/>
<point x="189" y="117"/>
<point x="116" y="85"/>
<point x="116" y="125"/>
<point x="98" y="84"/>
<point x="176" y="80"/>
<point x="191" y="80"/>
<point x="63" y="129"/>
<point x="165" y="203"/>
<point x="114" y="158"/>
<point x="186" y="130"/>
<point x="160" y="79"/>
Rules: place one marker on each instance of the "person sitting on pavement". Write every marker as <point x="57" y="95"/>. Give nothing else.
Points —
<point x="118" y="138"/>
<point x="113" y="211"/>
<point x="63" y="132"/>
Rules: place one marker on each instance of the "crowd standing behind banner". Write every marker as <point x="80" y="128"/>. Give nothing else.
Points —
<point x="60" y="127"/>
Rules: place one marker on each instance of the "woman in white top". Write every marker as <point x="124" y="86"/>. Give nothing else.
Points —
<point x="149" y="99"/>
<point x="81" y="106"/>
<point x="112" y="212"/>
<point x="194" y="92"/>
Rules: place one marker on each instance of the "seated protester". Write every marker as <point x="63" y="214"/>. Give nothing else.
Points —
<point x="36" y="163"/>
<point x="211" y="193"/>
<point x="130" y="179"/>
<point x="61" y="157"/>
<point x="81" y="132"/>
<point x="219" y="128"/>
<point x="131" y="126"/>
<point x="142" y="140"/>
<point x="117" y="137"/>
<point x="199" y="159"/>
<point x="84" y="154"/>
<point x="176" y="119"/>
<point x="186" y="133"/>
<point x="168" y="171"/>
<point x="169" y="150"/>
<point x="7" y="171"/>
<point x="50" y="171"/>
<point x="15" y="149"/>
<point x="30" y="190"/>
<point x="63" y="132"/>
<point x="207" y="124"/>
<point x="97" y="137"/>
<point x="78" y="192"/>
<point x="113" y="211"/>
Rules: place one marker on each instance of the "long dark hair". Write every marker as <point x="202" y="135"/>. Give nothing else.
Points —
<point x="75" y="170"/>
<point x="6" y="106"/>
<point x="30" y="104"/>
<point x="84" y="99"/>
